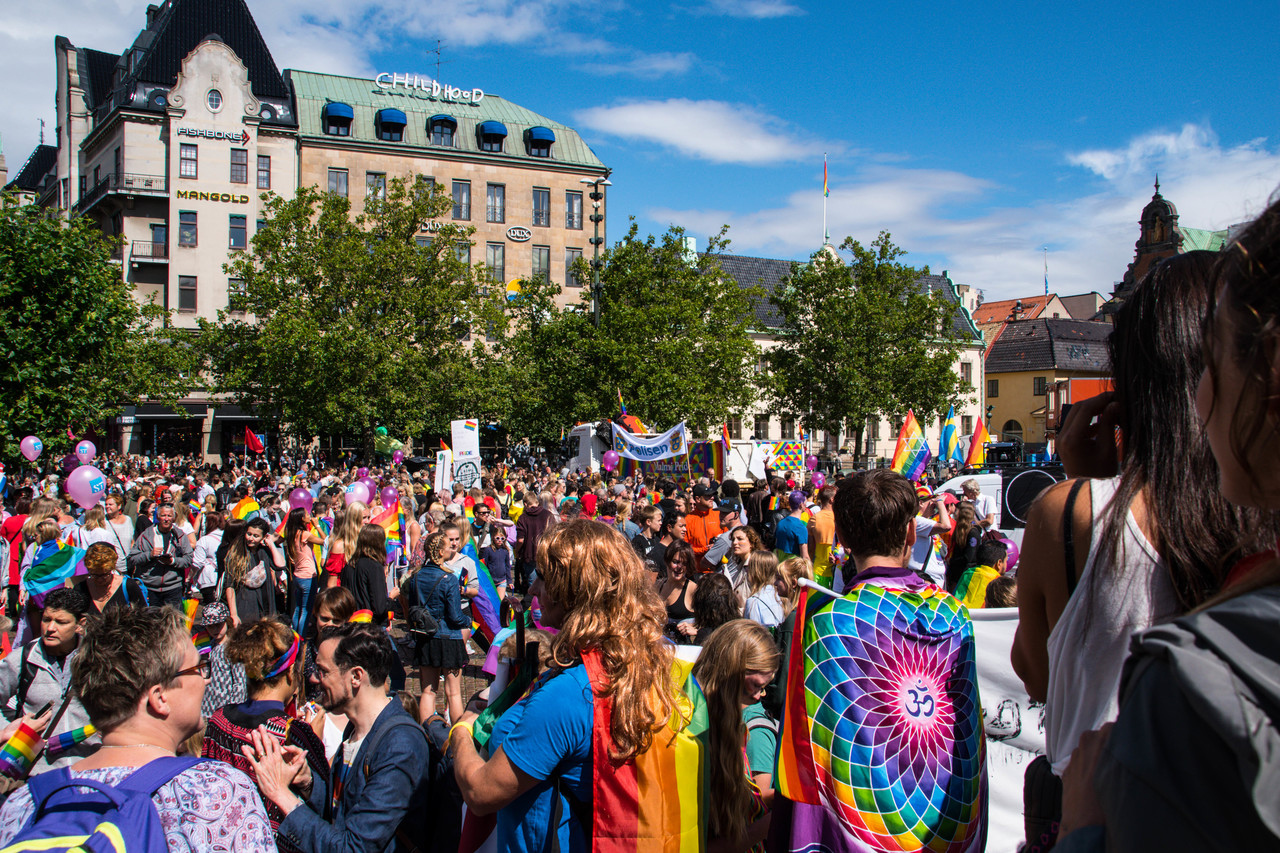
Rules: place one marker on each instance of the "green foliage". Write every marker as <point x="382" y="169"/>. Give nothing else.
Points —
<point x="861" y="340"/>
<point x="673" y="338"/>
<point x="351" y="322"/>
<point x="75" y="342"/>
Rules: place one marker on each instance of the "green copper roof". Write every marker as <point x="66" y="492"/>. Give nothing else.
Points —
<point x="1196" y="238"/>
<point x="312" y="91"/>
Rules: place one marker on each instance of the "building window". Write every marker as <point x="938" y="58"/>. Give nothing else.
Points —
<point x="966" y="424"/>
<point x="538" y="141"/>
<point x="495" y="203"/>
<point x="993" y="387"/>
<point x="239" y="231"/>
<point x="375" y="185"/>
<point x="788" y="428"/>
<point x="873" y="429"/>
<point x="215" y="100"/>
<point x="337" y="119"/>
<point x="239" y="166"/>
<point x="186" y="228"/>
<point x="573" y="209"/>
<point x="1011" y="431"/>
<point x="541" y="207"/>
<point x="84" y="179"/>
<point x="462" y="200"/>
<point x="338" y="182"/>
<point x="259" y="225"/>
<point x="186" y="162"/>
<point x="762" y="427"/>
<point x="571" y="257"/>
<point x="442" y="129"/>
<point x="116" y="162"/>
<point x="390" y="125"/>
<point x="187" y="293"/>
<point x="463" y="251"/>
<point x="264" y="172"/>
<point x="1040" y="386"/>
<point x="423" y="241"/>
<point x="236" y="295"/>
<point x="966" y="372"/>
<point x="735" y="428"/>
<point x="495" y="258"/>
<point x="542" y="263"/>
<point x="491" y="135"/>
<point x="762" y="363"/>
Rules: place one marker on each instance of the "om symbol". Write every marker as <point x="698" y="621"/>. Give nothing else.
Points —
<point x="921" y="703"/>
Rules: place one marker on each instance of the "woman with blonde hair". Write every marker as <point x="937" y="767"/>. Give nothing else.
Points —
<point x="342" y="542"/>
<point x="763" y="604"/>
<point x="737" y="663"/>
<point x="594" y="589"/>
<point x="789" y="574"/>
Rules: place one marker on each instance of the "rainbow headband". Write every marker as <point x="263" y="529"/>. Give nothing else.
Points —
<point x="284" y="661"/>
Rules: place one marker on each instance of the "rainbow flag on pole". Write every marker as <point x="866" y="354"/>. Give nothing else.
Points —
<point x="949" y="441"/>
<point x="54" y="564"/>
<point x="911" y="455"/>
<point x="978" y="447"/>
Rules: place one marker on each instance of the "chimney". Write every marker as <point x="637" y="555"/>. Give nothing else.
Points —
<point x="152" y="12"/>
<point x="1017" y="310"/>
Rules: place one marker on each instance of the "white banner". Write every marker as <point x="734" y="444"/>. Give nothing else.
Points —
<point x="466" y="438"/>
<point x="444" y="472"/>
<point x="673" y="442"/>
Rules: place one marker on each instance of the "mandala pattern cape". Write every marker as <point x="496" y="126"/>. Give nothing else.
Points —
<point x="882" y="746"/>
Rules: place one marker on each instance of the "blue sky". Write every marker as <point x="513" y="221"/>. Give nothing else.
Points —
<point x="975" y="133"/>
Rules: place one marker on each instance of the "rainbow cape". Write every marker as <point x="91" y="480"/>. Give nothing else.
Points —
<point x="911" y="455"/>
<point x="486" y="607"/>
<point x="54" y="564"/>
<point x="977" y="457"/>
<point x="244" y="507"/>
<point x="59" y="744"/>
<point x="949" y="440"/>
<point x="882" y="746"/>
<point x="19" y="752"/>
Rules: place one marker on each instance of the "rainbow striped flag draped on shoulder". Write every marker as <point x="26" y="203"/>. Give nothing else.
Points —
<point x="486" y="608"/>
<point x="53" y="564"/>
<point x="911" y="455"/>
<point x="881" y="746"/>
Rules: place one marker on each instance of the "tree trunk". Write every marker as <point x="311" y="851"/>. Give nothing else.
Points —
<point x="366" y="456"/>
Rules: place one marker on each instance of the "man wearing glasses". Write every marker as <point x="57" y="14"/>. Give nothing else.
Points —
<point x="482" y="526"/>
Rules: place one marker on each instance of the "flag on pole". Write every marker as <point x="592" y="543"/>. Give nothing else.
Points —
<point x="444" y="446"/>
<point x="621" y="404"/>
<point x="252" y="442"/>
<point x="724" y="438"/>
<point x="949" y="441"/>
<point x="978" y="447"/>
<point x="826" y="189"/>
<point x="911" y="455"/>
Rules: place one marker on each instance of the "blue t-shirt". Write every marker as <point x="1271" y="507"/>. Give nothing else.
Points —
<point x="790" y="535"/>
<point x="548" y="736"/>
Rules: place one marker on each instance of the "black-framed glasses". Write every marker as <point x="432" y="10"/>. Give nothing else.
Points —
<point x="204" y="669"/>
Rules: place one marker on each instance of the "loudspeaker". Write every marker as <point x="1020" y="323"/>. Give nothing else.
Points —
<point x="1020" y="488"/>
<point x="1003" y="453"/>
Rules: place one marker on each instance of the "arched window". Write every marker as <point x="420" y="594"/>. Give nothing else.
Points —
<point x="336" y="118"/>
<point x="390" y="125"/>
<point x="1011" y="430"/>
<point x="491" y="135"/>
<point x="442" y="127"/>
<point x="537" y="141"/>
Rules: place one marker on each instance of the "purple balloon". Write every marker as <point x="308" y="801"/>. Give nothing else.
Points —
<point x="370" y="484"/>
<point x="397" y="457"/>
<point x="300" y="498"/>
<point x="31" y="448"/>
<point x="1012" y="559"/>
<point x="86" y="485"/>
<point x="356" y="492"/>
<point x="390" y="494"/>
<point x="362" y="472"/>
<point x="611" y="459"/>
<point x="811" y="462"/>
<point x="85" y="451"/>
<point x="818" y="479"/>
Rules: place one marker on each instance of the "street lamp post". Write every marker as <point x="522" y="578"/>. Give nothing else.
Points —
<point x="596" y="195"/>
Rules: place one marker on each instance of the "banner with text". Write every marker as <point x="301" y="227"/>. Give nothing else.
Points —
<point x="673" y="442"/>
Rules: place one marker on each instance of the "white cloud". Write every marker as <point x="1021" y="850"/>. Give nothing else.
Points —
<point x="707" y="130"/>
<point x="754" y="8"/>
<point x="645" y="65"/>
<point x="956" y="222"/>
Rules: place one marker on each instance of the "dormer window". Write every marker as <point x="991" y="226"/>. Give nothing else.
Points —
<point x="537" y="141"/>
<point x="337" y="118"/>
<point x="390" y="125"/>
<point x="491" y="135"/>
<point x="442" y="128"/>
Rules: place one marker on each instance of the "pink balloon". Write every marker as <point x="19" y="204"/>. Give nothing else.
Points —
<point x="370" y="484"/>
<point x="818" y="479"/>
<point x="1012" y="559"/>
<point x="31" y="448"/>
<point x="397" y="457"/>
<point x="611" y="459"/>
<point x="85" y="451"/>
<point x="811" y="462"/>
<point x="389" y="495"/>
<point x="357" y="492"/>
<point x="362" y="472"/>
<point x="300" y="498"/>
<point x="86" y="485"/>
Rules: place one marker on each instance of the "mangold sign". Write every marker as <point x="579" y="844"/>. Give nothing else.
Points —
<point x="195" y="195"/>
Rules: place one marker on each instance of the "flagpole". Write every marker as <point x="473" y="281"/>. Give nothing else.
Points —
<point x="818" y="587"/>
<point x="1046" y="270"/>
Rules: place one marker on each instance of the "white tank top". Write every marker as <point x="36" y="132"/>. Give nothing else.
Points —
<point x="1089" y="645"/>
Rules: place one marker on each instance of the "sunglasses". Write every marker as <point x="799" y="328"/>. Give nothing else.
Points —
<point x="204" y="669"/>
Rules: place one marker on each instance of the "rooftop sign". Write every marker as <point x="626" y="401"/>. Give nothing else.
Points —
<point x="428" y="88"/>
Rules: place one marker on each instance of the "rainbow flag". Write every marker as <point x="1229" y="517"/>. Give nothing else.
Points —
<point x="911" y="456"/>
<point x="19" y="752"/>
<point x="621" y="404"/>
<point x="826" y="190"/>
<point x="882" y="746"/>
<point x="391" y="520"/>
<point x="486" y="608"/>
<point x="978" y="447"/>
<point x="949" y="441"/>
<point x="203" y="642"/>
<point x="361" y="616"/>
<point x="788" y="456"/>
<point x="59" y="744"/>
<point x="244" y="507"/>
<point x="189" y="608"/>
<point x="54" y="564"/>
<point x="195" y="507"/>
<point x="724" y="437"/>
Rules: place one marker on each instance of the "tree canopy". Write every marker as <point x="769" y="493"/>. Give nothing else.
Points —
<point x="861" y="340"/>
<point x="75" y="342"/>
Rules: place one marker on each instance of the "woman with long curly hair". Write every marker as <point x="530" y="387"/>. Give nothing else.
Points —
<point x="594" y="589"/>
<point x="737" y="663"/>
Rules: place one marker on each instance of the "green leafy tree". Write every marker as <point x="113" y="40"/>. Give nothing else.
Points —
<point x="861" y="340"/>
<point x="348" y="323"/>
<point x="76" y="343"/>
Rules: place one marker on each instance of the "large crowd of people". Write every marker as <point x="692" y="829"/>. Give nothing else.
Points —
<point x="239" y="642"/>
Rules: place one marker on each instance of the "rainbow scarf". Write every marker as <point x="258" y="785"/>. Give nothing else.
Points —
<point x="244" y="507"/>
<point x="58" y="744"/>
<point x="19" y="753"/>
<point x="285" y="660"/>
<point x="911" y="454"/>
<point x="54" y="564"/>
<point x="882" y="746"/>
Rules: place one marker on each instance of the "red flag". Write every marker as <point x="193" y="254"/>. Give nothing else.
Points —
<point x="251" y="441"/>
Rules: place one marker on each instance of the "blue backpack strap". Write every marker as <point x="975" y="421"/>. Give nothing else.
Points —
<point x="45" y="785"/>
<point x="149" y="777"/>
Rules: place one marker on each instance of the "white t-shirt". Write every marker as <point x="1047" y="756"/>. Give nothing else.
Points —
<point x="922" y="556"/>
<point x="984" y="505"/>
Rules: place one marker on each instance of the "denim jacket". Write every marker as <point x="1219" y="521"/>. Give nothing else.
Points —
<point x="440" y="592"/>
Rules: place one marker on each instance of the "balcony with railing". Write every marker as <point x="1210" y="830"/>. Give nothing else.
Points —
<point x="143" y="252"/>
<point x="124" y="183"/>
